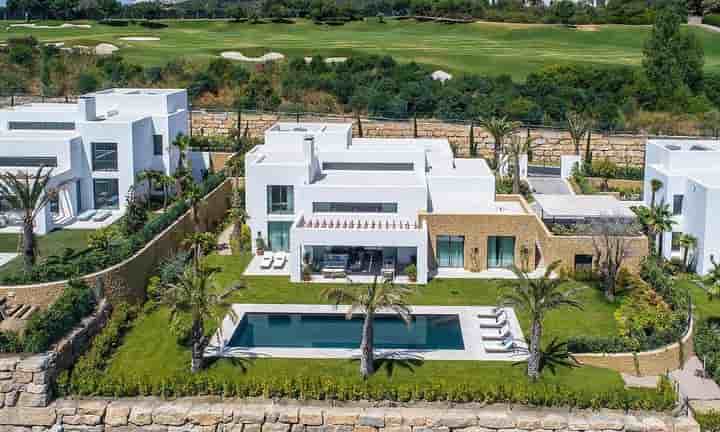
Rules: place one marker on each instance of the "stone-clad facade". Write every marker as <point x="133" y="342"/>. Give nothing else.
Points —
<point x="204" y="415"/>
<point x="621" y="149"/>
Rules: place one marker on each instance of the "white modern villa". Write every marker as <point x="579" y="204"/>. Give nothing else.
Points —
<point x="95" y="148"/>
<point x="688" y="170"/>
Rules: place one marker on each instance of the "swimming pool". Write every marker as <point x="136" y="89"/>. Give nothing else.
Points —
<point x="303" y="330"/>
<point x="321" y="331"/>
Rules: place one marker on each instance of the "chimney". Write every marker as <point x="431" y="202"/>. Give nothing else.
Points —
<point x="86" y="106"/>
<point x="309" y="157"/>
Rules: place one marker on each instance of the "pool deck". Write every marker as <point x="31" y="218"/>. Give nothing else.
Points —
<point x="469" y="324"/>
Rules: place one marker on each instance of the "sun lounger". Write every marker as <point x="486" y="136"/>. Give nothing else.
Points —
<point x="86" y="215"/>
<point x="496" y="312"/>
<point x="101" y="216"/>
<point x="501" y="333"/>
<point x="279" y="260"/>
<point x="493" y="323"/>
<point x="267" y="260"/>
<point x="506" y="346"/>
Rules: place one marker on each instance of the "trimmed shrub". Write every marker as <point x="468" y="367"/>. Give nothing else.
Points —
<point x="708" y="421"/>
<point x="47" y="327"/>
<point x="594" y="344"/>
<point x="153" y="24"/>
<point x="712" y="19"/>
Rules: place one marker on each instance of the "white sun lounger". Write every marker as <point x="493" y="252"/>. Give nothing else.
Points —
<point x="279" y="260"/>
<point x="267" y="260"/>
<point x="496" y="312"/>
<point x="493" y="323"/>
<point x="496" y="334"/>
<point x="506" y="346"/>
<point x="101" y="216"/>
<point x="86" y="215"/>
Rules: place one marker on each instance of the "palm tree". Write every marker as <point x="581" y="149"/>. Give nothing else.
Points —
<point x="368" y="300"/>
<point x="193" y="195"/>
<point x="660" y="220"/>
<point x="151" y="177"/>
<point x="655" y="185"/>
<point x="194" y="295"/>
<point x="200" y="243"/>
<point x="578" y="125"/>
<point x="166" y="182"/>
<point x="537" y="297"/>
<point x="515" y="148"/>
<point x="688" y="242"/>
<point x="499" y="128"/>
<point x="182" y="142"/>
<point x="30" y="196"/>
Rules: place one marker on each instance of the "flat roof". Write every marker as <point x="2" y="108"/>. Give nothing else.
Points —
<point x="47" y="135"/>
<point x="709" y="178"/>
<point x="135" y="91"/>
<point x="44" y="107"/>
<point x="369" y="178"/>
<point x="461" y="168"/>
<point x="581" y="206"/>
<point x="311" y="128"/>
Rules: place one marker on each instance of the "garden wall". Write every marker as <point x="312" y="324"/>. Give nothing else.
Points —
<point x="655" y="362"/>
<point x="126" y="281"/>
<point x="210" y="415"/>
<point x="621" y="149"/>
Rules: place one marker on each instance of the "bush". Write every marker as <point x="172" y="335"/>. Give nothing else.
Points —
<point x="92" y="364"/>
<point x="706" y="342"/>
<point x="153" y="24"/>
<point x="411" y="272"/>
<point x="592" y="344"/>
<point x="115" y="22"/>
<point x="709" y="421"/>
<point x="712" y="19"/>
<point x="47" y="327"/>
<point x="10" y="342"/>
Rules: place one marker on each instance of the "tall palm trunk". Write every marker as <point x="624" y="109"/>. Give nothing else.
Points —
<point x="686" y="252"/>
<point x="516" y="174"/>
<point x="660" y="244"/>
<point x="165" y="197"/>
<point x="28" y="244"/>
<point x="196" y="360"/>
<point x="652" y="199"/>
<point x="533" y="367"/>
<point x="367" y="358"/>
<point x="496" y="152"/>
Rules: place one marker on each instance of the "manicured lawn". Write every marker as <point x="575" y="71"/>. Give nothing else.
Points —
<point x="596" y="318"/>
<point x="490" y="48"/>
<point x="53" y="243"/>
<point x="704" y="307"/>
<point x="151" y="353"/>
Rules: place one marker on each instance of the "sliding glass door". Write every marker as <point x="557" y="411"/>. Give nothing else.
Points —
<point x="451" y="251"/>
<point x="501" y="252"/>
<point x="279" y="236"/>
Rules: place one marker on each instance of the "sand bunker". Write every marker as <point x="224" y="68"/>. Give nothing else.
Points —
<point x="235" y="55"/>
<point x="329" y="60"/>
<point x="440" y="75"/>
<point x="589" y="27"/>
<point x="139" y="38"/>
<point x="61" y="26"/>
<point x="105" y="49"/>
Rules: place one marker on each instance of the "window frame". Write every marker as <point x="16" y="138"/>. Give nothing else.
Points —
<point x="94" y="150"/>
<point x="275" y="207"/>
<point x="157" y="146"/>
<point x="678" y="202"/>
<point x="95" y="193"/>
<point x="354" y="207"/>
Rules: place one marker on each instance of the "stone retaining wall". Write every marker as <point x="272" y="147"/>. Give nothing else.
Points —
<point x="203" y="415"/>
<point x="126" y="281"/>
<point x="26" y="380"/>
<point x="621" y="149"/>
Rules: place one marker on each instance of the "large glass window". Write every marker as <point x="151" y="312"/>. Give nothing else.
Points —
<point x="501" y="252"/>
<point x="31" y="125"/>
<point x="157" y="145"/>
<point x="104" y="156"/>
<point x="279" y="236"/>
<point x="348" y="207"/>
<point x="451" y="251"/>
<point x="28" y="161"/>
<point x="106" y="195"/>
<point x="677" y="204"/>
<point x="280" y="199"/>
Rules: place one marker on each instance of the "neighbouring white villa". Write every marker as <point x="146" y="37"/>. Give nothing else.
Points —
<point x="95" y="148"/>
<point x="688" y="170"/>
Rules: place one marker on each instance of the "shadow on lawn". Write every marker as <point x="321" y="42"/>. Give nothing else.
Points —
<point x="389" y="362"/>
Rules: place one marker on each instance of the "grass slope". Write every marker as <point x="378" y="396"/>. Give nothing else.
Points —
<point x="488" y="48"/>
<point x="150" y="352"/>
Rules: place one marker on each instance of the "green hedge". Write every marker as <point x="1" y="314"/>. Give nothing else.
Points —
<point x="88" y="261"/>
<point x="712" y="19"/>
<point x="708" y="421"/>
<point x="343" y="389"/>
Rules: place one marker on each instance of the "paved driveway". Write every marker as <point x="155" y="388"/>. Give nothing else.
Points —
<point x="549" y="185"/>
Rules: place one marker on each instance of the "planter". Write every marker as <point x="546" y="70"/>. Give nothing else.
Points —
<point x="259" y="251"/>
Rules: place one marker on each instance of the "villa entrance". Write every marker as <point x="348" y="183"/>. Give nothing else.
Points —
<point x="342" y="261"/>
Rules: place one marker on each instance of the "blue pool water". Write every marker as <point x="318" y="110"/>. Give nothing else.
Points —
<point x="282" y="330"/>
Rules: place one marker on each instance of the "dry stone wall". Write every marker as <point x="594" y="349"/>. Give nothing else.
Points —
<point x="203" y="415"/>
<point x="621" y="149"/>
